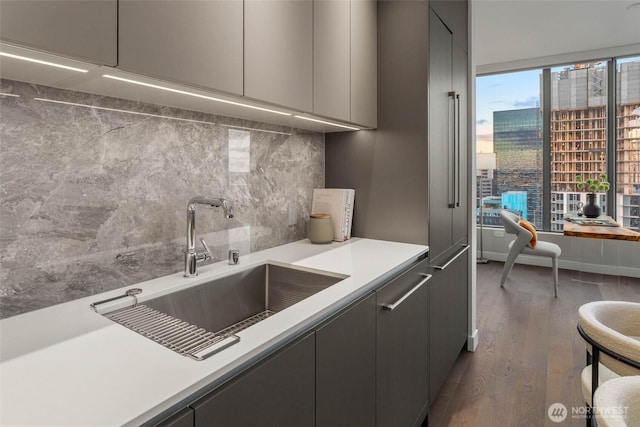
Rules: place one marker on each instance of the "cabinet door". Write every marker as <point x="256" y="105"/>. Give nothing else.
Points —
<point x="346" y="369"/>
<point x="403" y="350"/>
<point x="331" y="58"/>
<point x="279" y="391"/>
<point x="442" y="182"/>
<point x="278" y="52"/>
<point x="460" y="212"/>
<point x="448" y="300"/>
<point x="82" y="29"/>
<point x="364" y="62"/>
<point x="198" y="43"/>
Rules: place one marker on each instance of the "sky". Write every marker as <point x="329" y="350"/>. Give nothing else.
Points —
<point x="503" y="92"/>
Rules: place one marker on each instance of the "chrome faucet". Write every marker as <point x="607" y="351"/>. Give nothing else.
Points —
<point x="191" y="256"/>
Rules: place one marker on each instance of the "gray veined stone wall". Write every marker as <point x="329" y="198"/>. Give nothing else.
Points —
<point x="94" y="199"/>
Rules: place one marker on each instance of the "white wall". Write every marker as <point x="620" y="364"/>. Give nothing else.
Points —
<point x="615" y="257"/>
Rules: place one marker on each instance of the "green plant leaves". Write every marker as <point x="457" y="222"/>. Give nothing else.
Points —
<point x="591" y="185"/>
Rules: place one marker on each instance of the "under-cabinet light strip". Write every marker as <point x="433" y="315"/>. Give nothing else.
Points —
<point x="183" y="92"/>
<point x="256" y="129"/>
<point x="10" y="94"/>
<point x="327" y="123"/>
<point x="37" y="61"/>
<point x="138" y="113"/>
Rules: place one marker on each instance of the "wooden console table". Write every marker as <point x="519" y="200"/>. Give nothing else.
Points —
<point x="600" y="232"/>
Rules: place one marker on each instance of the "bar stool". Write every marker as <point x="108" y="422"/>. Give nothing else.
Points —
<point x="617" y="402"/>
<point x="612" y="332"/>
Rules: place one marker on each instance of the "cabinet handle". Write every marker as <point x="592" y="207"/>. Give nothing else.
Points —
<point x="442" y="267"/>
<point x="391" y="307"/>
<point x="458" y="149"/>
<point x="451" y="145"/>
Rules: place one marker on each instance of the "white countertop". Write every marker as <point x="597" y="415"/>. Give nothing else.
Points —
<point x="67" y="365"/>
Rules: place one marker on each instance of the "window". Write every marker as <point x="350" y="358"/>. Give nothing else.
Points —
<point x="510" y="125"/>
<point x="578" y="135"/>
<point x="536" y="178"/>
<point x="628" y="143"/>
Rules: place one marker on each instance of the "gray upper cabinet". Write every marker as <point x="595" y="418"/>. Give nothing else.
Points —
<point x="278" y="52"/>
<point x="193" y="42"/>
<point x="81" y="29"/>
<point x="345" y="60"/>
<point x="332" y="58"/>
<point x="364" y="62"/>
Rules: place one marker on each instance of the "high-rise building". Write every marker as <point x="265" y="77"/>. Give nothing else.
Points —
<point x="484" y="184"/>
<point x="515" y="201"/>
<point x="517" y="142"/>
<point x="579" y="134"/>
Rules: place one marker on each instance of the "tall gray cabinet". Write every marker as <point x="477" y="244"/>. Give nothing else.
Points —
<point x="448" y="192"/>
<point x="410" y="174"/>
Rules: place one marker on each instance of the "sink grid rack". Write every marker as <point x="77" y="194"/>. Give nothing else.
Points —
<point x="180" y="336"/>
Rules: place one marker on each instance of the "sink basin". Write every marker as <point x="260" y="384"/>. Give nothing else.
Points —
<point x="202" y="320"/>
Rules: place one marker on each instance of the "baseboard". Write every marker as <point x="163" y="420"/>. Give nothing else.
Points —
<point x="472" y="341"/>
<point x="613" y="270"/>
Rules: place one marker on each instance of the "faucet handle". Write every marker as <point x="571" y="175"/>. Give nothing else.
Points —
<point x="207" y="254"/>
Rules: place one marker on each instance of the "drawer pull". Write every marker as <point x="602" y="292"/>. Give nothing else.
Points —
<point x="442" y="267"/>
<point x="390" y="307"/>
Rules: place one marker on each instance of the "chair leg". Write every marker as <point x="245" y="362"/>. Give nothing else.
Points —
<point x="508" y="265"/>
<point x="554" y="260"/>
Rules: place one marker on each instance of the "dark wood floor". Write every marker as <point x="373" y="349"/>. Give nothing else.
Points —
<point x="529" y="354"/>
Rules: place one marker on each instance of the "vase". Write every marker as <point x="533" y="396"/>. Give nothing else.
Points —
<point x="591" y="210"/>
<point x="320" y="228"/>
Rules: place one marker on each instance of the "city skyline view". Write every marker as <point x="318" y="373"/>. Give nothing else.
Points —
<point x="510" y="124"/>
<point x="508" y="91"/>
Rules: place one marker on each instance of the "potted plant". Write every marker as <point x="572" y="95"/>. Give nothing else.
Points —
<point x="591" y="209"/>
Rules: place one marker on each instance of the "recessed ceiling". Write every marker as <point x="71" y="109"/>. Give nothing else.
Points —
<point x="514" y="30"/>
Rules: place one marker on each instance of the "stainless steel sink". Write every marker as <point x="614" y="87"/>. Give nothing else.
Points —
<point x="204" y="319"/>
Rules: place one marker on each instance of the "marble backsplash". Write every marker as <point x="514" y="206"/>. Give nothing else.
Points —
<point x="94" y="190"/>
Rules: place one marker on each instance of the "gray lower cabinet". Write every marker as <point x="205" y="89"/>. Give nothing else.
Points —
<point x="402" y="357"/>
<point x="366" y="366"/>
<point x="346" y="367"/>
<point x="278" y="52"/>
<point x="279" y="391"/>
<point x="199" y="43"/>
<point x="183" y="418"/>
<point x="82" y="29"/>
<point x="448" y="301"/>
